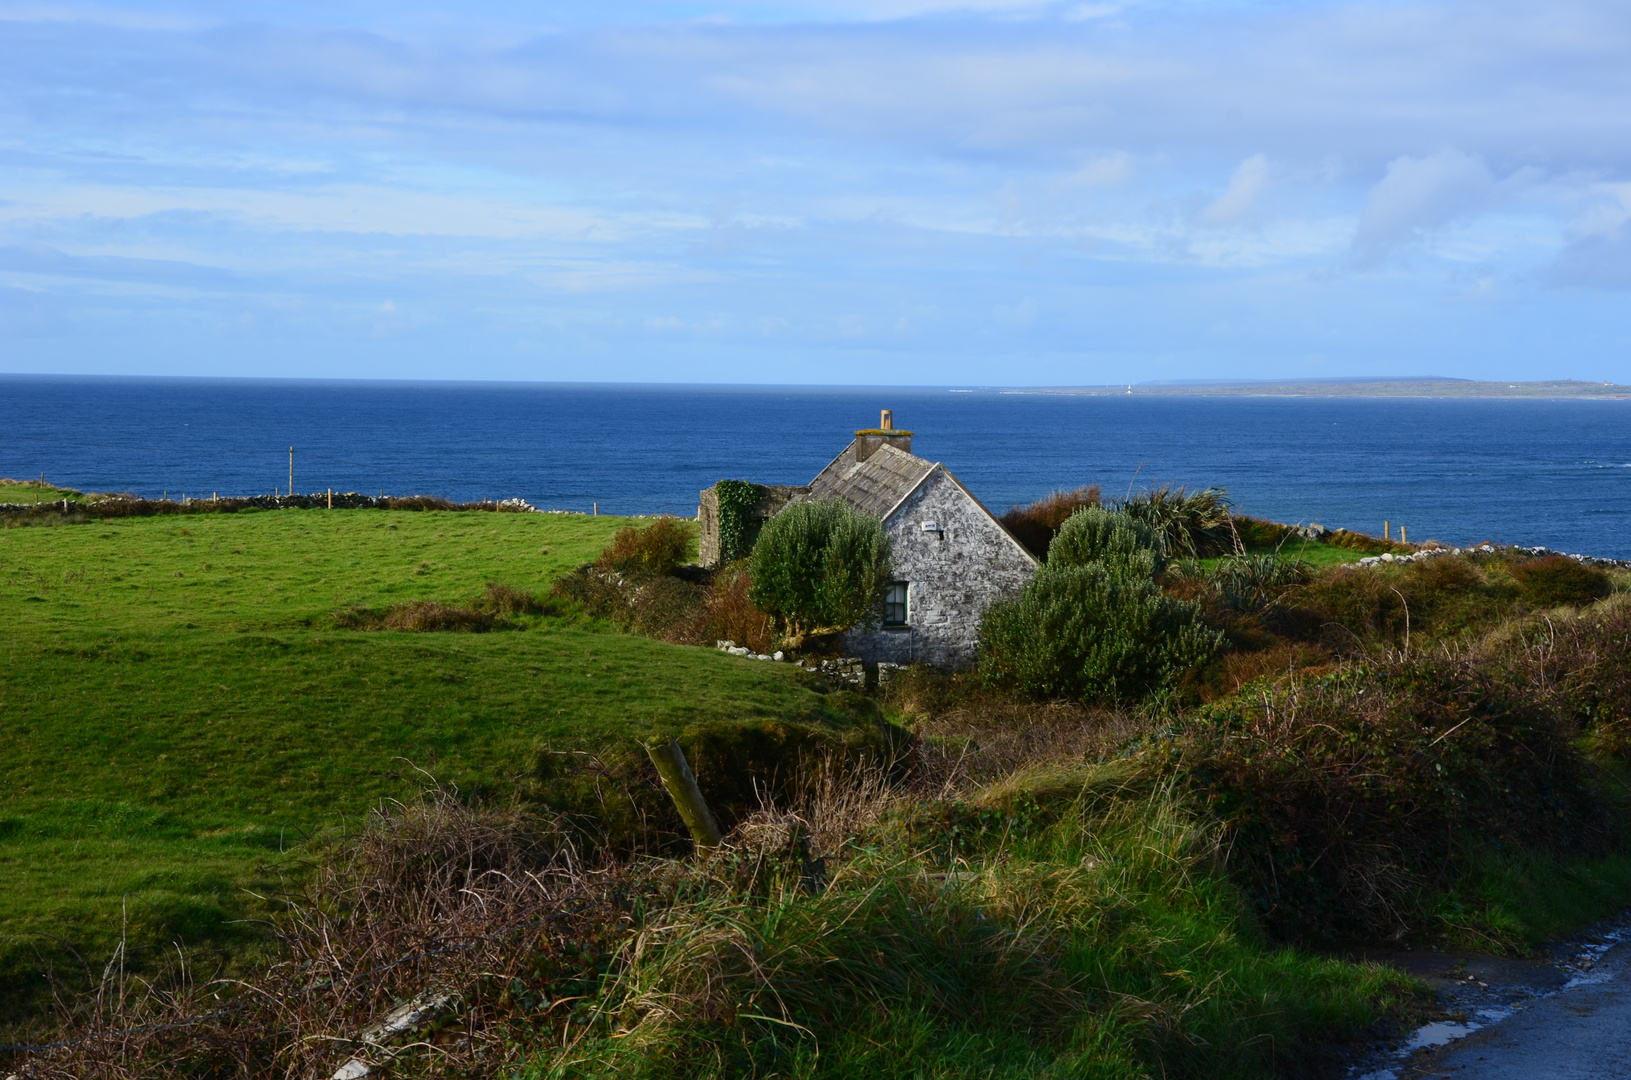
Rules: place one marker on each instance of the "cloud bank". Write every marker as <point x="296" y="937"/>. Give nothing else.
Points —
<point x="992" y="191"/>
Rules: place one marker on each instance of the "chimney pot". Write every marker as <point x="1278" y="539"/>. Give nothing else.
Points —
<point x="885" y="434"/>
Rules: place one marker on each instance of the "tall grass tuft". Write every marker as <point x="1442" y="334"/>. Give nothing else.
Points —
<point x="1187" y="524"/>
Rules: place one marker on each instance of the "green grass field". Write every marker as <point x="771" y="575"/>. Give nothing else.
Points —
<point x="179" y="709"/>
<point x="31" y="492"/>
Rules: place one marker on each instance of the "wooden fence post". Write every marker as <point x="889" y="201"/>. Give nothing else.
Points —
<point x="682" y="788"/>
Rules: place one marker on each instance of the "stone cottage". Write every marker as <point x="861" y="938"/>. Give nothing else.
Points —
<point x="952" y="557"/>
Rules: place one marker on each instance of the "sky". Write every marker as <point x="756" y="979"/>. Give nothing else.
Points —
<point x="902" y="192"/>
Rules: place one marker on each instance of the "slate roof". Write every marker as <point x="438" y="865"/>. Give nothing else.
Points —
<point x="876" y="485"/>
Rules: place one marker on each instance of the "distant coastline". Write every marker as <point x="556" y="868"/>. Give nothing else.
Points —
<point x="1356" y="388"/>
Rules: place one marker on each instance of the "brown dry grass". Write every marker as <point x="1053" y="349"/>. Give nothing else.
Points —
<point x="1036" y="525"/>
<point x="732" y="616"/>
<point x="490" y="914"/>
<point x="415" y="616"/>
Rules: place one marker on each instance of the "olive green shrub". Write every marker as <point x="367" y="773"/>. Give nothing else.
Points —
<point x="820" y="567"/>
<point x="1093" y="623"/>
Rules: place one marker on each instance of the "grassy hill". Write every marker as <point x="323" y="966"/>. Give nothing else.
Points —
<point x="180" y="708"/>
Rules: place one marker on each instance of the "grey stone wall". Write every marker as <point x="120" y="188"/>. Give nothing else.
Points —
<point x="769" y="505"/>
<point x="952" y="573"/>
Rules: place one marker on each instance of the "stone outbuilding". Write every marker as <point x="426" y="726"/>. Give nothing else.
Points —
<point x="952" y="557"/>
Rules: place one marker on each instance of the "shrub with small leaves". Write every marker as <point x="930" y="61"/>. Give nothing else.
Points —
<point x="820" y="567"/>
<point x="1093" y="632"/>
<point x="1096" y="535"/>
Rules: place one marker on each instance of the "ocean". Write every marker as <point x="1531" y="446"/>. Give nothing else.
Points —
<point x="1556" y="473"/>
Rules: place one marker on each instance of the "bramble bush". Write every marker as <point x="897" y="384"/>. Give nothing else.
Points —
<point x="1555" y="580"/>
<point x="820" y="567"/>
<point x="656" y="549"/>
<point x="1350" y="799"/>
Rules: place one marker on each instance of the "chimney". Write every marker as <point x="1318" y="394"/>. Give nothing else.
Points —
<point x="867" y="442"/>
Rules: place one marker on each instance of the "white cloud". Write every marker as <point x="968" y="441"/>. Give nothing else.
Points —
<point x="1107" y="171"/>
<point x="1238" y="199"/>
<point x="1416" y="196"/>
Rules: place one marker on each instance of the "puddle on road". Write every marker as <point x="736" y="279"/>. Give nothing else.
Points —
<point x="1578" y="958"/>
<point x="1438" y="1033"/>
<point x="1582" y="966"/>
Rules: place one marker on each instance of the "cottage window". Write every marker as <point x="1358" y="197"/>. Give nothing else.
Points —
<point x="894" y="604"/>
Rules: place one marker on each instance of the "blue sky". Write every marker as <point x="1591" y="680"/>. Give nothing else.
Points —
<point x="994" y="192"/>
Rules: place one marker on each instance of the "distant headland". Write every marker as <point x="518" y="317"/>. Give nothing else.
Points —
<point x="1425" y="387"/>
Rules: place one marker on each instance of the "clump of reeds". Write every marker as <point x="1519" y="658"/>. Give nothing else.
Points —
<point x="495" y="609"/>
<point x="415" y="616"/>
<point x="1187" y="524"/>
<point x="501" y="599"/>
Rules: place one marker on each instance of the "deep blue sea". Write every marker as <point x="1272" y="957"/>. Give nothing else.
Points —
<point x="1556" y="473"/>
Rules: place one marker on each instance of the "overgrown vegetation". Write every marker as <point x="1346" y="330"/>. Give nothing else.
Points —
<point x="1093" y="623"/>
<point x="1197" y="756"/>
<point x="861" y="924"/>
<point x="738" y="522"/>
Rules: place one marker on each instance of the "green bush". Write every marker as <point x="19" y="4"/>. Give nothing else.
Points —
<point x="820" y="567"/>
<point x="656" y="549"/>
<point x="1557" y="579"/>
<point x="1093" y="632"/>
<point x="1096" y="535"/>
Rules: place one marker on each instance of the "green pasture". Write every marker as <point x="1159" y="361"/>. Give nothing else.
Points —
<point x="1298" y="549"/>
<point x="30" y="492"/>
<point x="179" y="709"/>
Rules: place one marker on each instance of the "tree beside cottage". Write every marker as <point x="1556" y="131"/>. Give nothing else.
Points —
<point x="952" y="557"/>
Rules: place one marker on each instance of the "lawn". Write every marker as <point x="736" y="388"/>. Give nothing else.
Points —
<point x="180" y="710"/>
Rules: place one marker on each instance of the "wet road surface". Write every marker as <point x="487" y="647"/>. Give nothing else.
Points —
<point x="1582" y="1032"/>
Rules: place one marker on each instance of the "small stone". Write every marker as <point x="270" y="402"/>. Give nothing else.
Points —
<point x="778" y="656"/>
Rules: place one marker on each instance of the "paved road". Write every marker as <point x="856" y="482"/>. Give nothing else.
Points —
<point x="1580" y="1033"/>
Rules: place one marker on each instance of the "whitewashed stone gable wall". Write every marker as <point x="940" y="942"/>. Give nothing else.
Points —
<point x="952" y="574"/>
